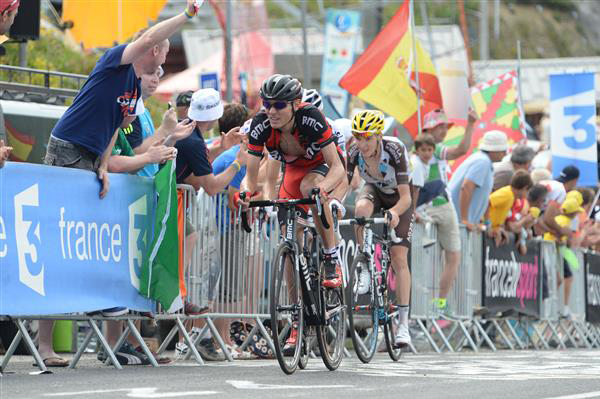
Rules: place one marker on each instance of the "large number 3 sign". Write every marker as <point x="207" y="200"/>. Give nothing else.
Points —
<point x="585" y="113"/>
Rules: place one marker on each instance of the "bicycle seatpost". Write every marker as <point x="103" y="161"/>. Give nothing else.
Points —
<point x="315" y="194"/>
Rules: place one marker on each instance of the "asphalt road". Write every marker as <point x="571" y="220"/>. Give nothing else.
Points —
<point x="571" y="374"/>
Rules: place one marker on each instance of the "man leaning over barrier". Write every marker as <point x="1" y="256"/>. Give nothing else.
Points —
<point x="84" y="136"/>
<point x="4" y="153"/>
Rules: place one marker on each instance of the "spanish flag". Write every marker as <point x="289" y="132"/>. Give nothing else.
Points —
<point x="384" y="75"/>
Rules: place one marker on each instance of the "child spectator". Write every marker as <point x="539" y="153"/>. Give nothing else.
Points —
<point x="429" y="179"/>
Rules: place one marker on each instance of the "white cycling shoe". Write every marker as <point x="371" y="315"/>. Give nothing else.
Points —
<point x="402" y="338"/>
<point x="364" y="282"/>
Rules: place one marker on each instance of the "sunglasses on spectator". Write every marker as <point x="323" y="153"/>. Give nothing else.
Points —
<point x="12" y="3"/>
<point x="278" y="105"/>
<point x="364" y="134"/>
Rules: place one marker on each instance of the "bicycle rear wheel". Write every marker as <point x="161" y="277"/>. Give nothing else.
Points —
<point x="306" y="348"/>
<point x="286" y="309"/>
<point x="332" y="336"/>
<point x="362" y="311"/>
<point x="392" y="322"/>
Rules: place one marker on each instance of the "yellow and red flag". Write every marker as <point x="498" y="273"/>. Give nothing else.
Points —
<point x="385" y="74"/>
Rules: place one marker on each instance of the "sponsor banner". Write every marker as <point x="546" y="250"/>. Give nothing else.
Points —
<point x="511" y="281"/>
<point x="592" y="288"/>
<point x="341" y="36"/>
<point x="573" y="125"/>
<point x="63" y="249"/>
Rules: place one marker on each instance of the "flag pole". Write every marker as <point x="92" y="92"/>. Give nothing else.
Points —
<point x="414" y="50"/>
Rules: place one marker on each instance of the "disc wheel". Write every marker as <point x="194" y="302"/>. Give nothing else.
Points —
<point x="286" y="309"/>
<point x="362" y="311"/>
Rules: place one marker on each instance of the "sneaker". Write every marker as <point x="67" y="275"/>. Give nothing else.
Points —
<point x="292" y="341"/>
<point x="208" y="352"/>
<point x="192" y="309"/>
<point x="565" y="313"/>
<point x="126" y="356"/>
<point x="181" y="350"/>
<point x="159" y="359"/>
<point x="402" y="338"/>
<point x="364" y="282"/>
<point x="333" y="272"/>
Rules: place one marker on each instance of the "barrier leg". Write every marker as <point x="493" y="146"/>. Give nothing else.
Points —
<point x="120" y="341"/>
<point x="592" y="334"/>
<point x="188" y="341"/>
<point x="583" y="337"/>
<point x="486" y="338"/>
<point x="266" y="335"/>
<point x="567" y="331"/>
<point x="105" y="344"/>
<point x="502" y="334"/>
<point x="30" y="345"/>
<point x="556" y="334"/>
<point x="514" y="333"/>
<point x="196" y="339"/>
<point x="332" y="331"/>
<point x="441" y="334"/>
<point x="168" y="339"/>
<point x="540" y="336"/>
<point x="467" y="336"/>
<point x="81" y="349"/>
<point x="428" y="336"/>
<point x="140" y="340"/>
<point x="215" y="333"/>
<point x="11" y="349"/>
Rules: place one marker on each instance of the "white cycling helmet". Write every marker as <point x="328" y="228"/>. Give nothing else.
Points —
<point x="312" y="96"/>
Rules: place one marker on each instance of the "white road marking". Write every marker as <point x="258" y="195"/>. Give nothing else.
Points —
<point x="241" y="384"/>
<point x="595" y="394"/>
<point x="143" y="393"/>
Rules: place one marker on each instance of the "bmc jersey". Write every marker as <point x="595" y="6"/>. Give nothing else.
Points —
<point x="393" y="165"/>
<point x="110" y="93"/>
<point x="311" y="130"/>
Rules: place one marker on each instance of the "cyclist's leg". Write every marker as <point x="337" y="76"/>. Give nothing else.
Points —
<point x="399" y="255"/>
<point x="366" y="203"/>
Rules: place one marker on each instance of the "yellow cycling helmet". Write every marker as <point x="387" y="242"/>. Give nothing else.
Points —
<point x="367" y="123"/>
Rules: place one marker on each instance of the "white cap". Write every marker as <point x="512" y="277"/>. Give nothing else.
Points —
<point x="494" y="140"/>
<point x="344" y="126"/>
<point x="246" y="127"/>
<point x="205" y="106"/>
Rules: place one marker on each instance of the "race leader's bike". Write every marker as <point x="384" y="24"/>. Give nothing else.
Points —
<point x="298" y="299"/>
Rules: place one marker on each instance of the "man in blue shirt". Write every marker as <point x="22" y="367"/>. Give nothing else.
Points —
<point x="471" y="184"/>
<point x="84" y="135"/>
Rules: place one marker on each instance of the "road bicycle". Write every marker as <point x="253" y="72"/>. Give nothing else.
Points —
<point x="369" y="302"/>
<point x="298" y="299"/>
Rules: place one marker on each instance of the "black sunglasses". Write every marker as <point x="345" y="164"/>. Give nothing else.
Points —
<point x="278" y="105"/>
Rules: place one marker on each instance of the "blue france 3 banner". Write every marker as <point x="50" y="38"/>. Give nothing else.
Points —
<point x="63" y="249"/>
<point x="573" y="125"/>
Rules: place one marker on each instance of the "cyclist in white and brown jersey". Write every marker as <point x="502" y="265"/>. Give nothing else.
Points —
<point x="382" y="162"/>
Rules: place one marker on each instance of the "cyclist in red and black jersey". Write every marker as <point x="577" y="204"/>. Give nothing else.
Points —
<point x="298" y="135"/>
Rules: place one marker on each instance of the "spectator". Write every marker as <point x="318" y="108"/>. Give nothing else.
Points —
<point x="540" y="174"/>
<point x="8" y="12"/>
<point x="4" y="153"/>
<point x="429" y="172"/>
<point x="436" y="123"/>
<point x="502" y="202"/>
<point x="472" y="182"/>
<point x="520" y="159"/>
<point x="569" y="210"/>
<point x="183" y="104"/>
<point x="557" y="192"/>
<point x="84" y="136"/>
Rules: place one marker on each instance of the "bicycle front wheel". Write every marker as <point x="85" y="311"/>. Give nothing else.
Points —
<point x="332" y="335"/>
<point x="362" y="309"/>
<point x="287" y="318"/>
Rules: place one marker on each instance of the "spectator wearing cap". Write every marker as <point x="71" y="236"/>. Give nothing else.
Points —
<point x="520" y="159"/>
<point x="182" y="104"/>
<point x="472" y="182"/>
<point x="569" y="177"/>
<point x="8" y="12"/>
<point x="194" y="159"/>
<point x="84" y="136"/>
<point x="436" y="123"/>
<point x="557" y="193"/>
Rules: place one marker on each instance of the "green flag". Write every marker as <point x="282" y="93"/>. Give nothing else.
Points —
<point x="160" y="269"/>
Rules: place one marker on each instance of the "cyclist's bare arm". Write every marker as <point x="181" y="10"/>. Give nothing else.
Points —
<point x="273" y="168"/>
<point x="251" y="180"/>
<point x="404" y="202"/>
<point x="336" y="169"/>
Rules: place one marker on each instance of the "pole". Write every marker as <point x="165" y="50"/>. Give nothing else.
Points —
<point x="416" y="63"/>
<point x="496" y="19"/>
<point x="228" y="55"/>
<point x="465" y="33"/>
<point x="484" y="31"/>
<point x="423" y="7"/>
<point x="519" y="87"/>
<point x="307" y="77"/>
<point x="23" y="54"/>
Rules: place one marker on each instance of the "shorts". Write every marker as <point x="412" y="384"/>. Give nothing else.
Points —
<point x="386" y="201"/>
<point x="567" y="273"/>
<point x="290" y="186"/>
<point x="69" y="155"/>
<point x="446" y="221"/>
